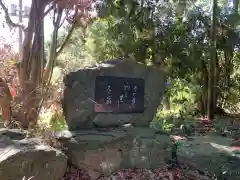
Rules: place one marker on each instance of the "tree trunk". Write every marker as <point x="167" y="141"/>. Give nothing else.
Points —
<point x="217" y="79"/>
<point x="212" y="65"/>
<point x="30" y="67"/>
<point x="204" y="92"/>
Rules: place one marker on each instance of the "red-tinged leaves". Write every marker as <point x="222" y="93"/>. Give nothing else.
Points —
<point x="65" y="3"/>
<point x="12" y="91"/>
<point x="70" y="4"/>
<point x="8" y="70"/>
<point x="78" y="11"/>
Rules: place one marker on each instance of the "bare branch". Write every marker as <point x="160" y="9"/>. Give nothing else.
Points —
<point x="51" y="7"/>
<point x="66" y="40"/>
<point x="52" y="58"/>
<point x="69" y="34"/>
<point x="54" y="16"/>
<point x="8" y="19"/>
<point x="67" y="13"/>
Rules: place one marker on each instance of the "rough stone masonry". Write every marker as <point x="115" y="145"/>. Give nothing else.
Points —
<point x="78" y="102"/>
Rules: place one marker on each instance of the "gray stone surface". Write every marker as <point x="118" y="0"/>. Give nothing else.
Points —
<point x="15" y="134"/>
<point x="104" y="152"/>
<point x="78" y="103"/>
<point x="211" y="154"/>
<point x="21" y="157"/>
<point x="1" y="124"/>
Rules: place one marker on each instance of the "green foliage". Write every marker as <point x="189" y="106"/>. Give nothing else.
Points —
<point x="187" y="129"/>
<point x="169" y="122"/>
<point x="98" y="43"/>
<point x="165" y="123"/>
<point x="73" y="55"/>
<point x="158" y="34"/>
<point x="231" y="94"/>
<point x="52" y="118"/>
<point x="58" y="123"/>
<point x="181" y="96"/>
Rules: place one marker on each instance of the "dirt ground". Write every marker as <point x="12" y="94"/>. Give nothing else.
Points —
<point x="181" y="173"/>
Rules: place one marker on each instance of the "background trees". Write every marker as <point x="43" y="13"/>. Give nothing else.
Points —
<point x="175" y="37"/>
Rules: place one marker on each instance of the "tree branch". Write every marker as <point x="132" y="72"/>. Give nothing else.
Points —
<point x="51" y="7"/>
<point x="8" y="19"/>
<point x="69" y="34"/>
<point x="61" y="24"/>
<point x="66" y="40"/>
<point x="50" y="64"/>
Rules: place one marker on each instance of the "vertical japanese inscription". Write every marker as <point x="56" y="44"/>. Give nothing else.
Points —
<point x="109" y="96"/>
<point x="119" y="94"/>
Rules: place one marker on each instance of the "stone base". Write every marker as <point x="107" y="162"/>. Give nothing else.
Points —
<point x="211" y="154"/>
<point x="20" y="156"/>
<point x="2" y="124"/>
<point x="103" y="152"/>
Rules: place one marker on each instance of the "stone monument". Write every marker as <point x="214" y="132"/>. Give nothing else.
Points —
<point x="98" y="103"/>
<point x="86" y="106"/>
